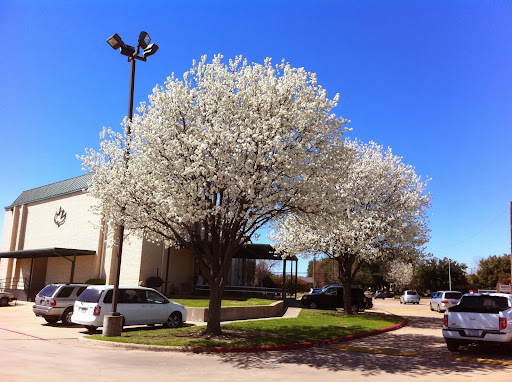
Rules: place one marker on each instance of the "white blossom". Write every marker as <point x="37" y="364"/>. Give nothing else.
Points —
<point x="367" y="207"/>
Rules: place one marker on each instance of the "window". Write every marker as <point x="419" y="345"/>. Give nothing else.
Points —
<point x="80" y="290"/>
<point x="48" y="291"/>
<point x="108" y="297"/>
<point x="91" y="295"/>
<point x="453" y="295"/>
<point x="155" y="298"/>
<point x="132" y="296"/>
<point x="482" y="304"/>
<point x="66" y="291"/>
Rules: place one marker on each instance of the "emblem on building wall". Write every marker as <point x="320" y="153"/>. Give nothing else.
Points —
<point x="60" y="217"/>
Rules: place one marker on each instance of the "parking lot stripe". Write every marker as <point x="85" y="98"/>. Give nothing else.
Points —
<point x="370" y="350"/>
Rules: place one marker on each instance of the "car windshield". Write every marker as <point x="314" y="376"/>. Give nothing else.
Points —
<point x="90" y="295"/>
<point x="411" y="292"/>
<point x="48" y="291"/>
<point x="453" y="295"/>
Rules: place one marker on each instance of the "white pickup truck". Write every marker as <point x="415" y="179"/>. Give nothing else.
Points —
<point x="479" y="317"/>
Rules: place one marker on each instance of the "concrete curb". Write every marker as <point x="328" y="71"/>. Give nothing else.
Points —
<point x="248" y="349"/>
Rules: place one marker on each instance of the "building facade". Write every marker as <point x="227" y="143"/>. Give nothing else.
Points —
<point x="51" y="235"/>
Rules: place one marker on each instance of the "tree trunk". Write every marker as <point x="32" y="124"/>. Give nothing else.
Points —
<point x="347" y="295"/>
<point x="214" y="308"/>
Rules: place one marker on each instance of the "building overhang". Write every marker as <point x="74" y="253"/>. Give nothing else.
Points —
<point x="260" y="252"/>
<point x="45" y="252"/>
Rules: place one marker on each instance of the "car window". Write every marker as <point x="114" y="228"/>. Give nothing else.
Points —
<point x="453" y="295"/>
<point x="331" y="292"/>
<point x="132" y="296"/>
<point x="90" y="295"/>
<point x="155" y="298"/>
<point x="412" y="292"/>
<point x="482" y="304"/>
<point x="48" y="290"/>
<point x="66" y="291"/>
<point x="108" y="297"/>
<point x="80" y="290"/>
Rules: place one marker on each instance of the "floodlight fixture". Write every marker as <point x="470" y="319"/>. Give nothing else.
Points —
<point x="115" y="41"/>
<point x="150" y="50"/>
<point x="128" y="50"/>
<point x="144" y="39"/>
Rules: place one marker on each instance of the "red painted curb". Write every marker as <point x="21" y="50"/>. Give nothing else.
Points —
<point x="303" y="345"/>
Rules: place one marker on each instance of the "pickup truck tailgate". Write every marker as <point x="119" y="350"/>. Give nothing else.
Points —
<point x="466" y="320"/>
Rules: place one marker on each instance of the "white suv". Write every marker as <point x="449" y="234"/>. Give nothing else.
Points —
<point x="137" y="305"/>
<point x="55" y="302"/>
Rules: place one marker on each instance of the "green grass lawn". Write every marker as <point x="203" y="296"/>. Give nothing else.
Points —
<point x="203" y="303"/>
<point x="310" y="325"/>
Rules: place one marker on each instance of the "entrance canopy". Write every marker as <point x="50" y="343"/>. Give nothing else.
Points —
<point x="267" y="252"/>
<point x="46" y="252"/>
<point x="261" y="252"/>
<point x="65" y="253"/>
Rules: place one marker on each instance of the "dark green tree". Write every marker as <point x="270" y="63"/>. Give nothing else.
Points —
<point x="432" y="274"/>
<point x="491" y="269"/>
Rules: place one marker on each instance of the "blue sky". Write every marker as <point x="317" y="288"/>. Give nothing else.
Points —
<point x="432" y="79"/>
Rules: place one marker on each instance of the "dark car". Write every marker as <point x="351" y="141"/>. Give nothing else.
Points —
<point x="380" y="294"/>
<point x="331" y="297"/>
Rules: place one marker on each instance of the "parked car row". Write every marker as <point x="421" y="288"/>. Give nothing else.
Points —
<point x="87" y="305"/>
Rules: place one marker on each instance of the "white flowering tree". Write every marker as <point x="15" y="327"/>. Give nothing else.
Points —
<point x="373" y="207"/>
<point x="214" y="157"/>
<point x="399" y="273"/>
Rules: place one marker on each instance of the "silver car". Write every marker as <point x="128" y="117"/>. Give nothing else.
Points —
<point x="444" y="299"/>
<point x="6" y="298"/>
<point x="55" y="302"/>
<point x="410" y="297"/>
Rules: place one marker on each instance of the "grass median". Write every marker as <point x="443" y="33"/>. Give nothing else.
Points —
<point x="204" y="303"/>
<point x="310" y="325"/>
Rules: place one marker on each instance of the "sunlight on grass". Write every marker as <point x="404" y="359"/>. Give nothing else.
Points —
<point x="203" y="303"/>
<point x="311" y="325"/>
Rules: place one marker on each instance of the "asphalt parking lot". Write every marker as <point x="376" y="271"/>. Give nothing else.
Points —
<point x="29" y="346"/>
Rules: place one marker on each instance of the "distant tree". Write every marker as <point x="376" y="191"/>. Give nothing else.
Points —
<point x="432" y="274"/>
<point x="491" y="269"/>
<point x="400" y="274"/>
<point x="263" y="273"/>
<point x="326" y="272"/>
<point x="371" y="275"/>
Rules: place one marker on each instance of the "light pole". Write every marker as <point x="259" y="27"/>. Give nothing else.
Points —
<point x="450" y="273"/>
<point x="113" y="323"/>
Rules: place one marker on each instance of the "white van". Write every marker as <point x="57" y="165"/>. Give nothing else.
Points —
<point x="138" y="306"/>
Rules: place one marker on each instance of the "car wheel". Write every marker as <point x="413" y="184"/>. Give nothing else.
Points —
<point x="452" y="345"/>
<point x="91" y="329"/>
<point x="174" y="320"/>
<point x="438" y="309"/>
<point x="51" y="319"/>
<point x="312" y="305"/>
<point x="66" y="317"/>
<point x="432" y="309"/>
<point x="354" y="309"/>
<point x="4" y="301"/>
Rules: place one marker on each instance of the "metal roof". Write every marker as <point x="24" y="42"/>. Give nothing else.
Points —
<point x="260" y="252"/>
<point x="53" y="190"/>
